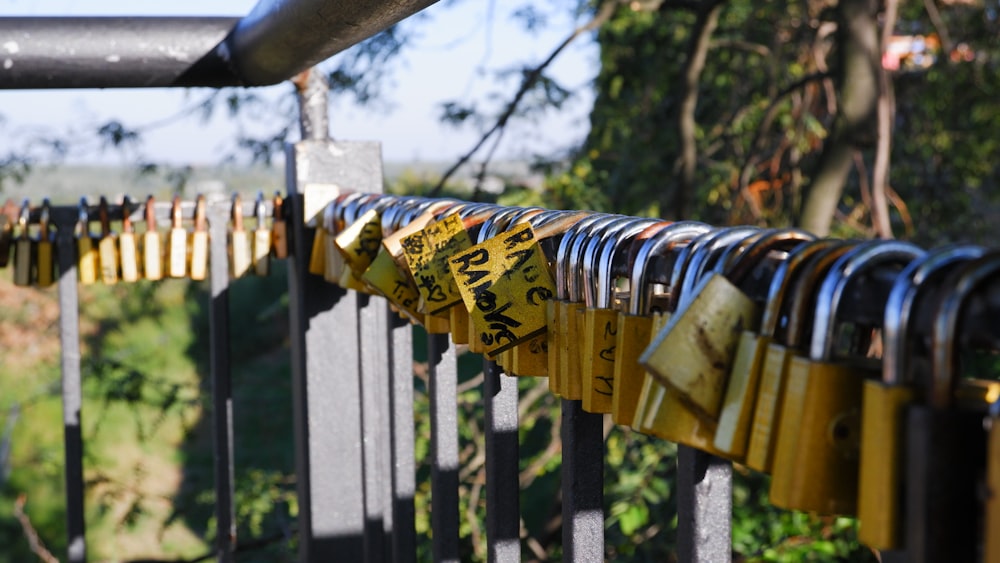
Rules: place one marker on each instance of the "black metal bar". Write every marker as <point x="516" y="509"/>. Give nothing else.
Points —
<point x="503" y="509"/>
<point x="582" y="483"/>
<point x="72" y="397"/>
<point x="222" y="387"/>
<point x="704" y="506"/>
<point x="375" y="439"/>
<point x="107" y="52"/>
<point x="404" y="479"/>
<point x="443" y="391"/>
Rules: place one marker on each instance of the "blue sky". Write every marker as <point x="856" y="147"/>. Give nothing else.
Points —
<point x="454" y="46"/>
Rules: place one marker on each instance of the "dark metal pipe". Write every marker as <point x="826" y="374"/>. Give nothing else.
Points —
<point x="274" y="42"/>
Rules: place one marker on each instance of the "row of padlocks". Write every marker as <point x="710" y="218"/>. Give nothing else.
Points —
<point x="759" y="346"/>
<point x="109" y="255"/>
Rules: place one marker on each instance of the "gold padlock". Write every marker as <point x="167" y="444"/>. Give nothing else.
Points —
<point x="262" y="239"/>
<point x="24" y="261"/>
<point x="823" y="394"/>
<point x="152" y="247"/>
<point x="107" y="245"/>
<point x="177" y="242"/>
<point x="649" y="269"/>
<point x="797" y="309"/>
<point x="8" y="217"/>
<point x="45" y="249"/>
<point x="128" y="246"/>
<point x="884" y="401"/>
<point x="696" y="354"/>
<point x="736" y="414"/>
<point x="199" y="241"/>
<point x="86" y="256"/>
<point x="279" y="228"/>
<point x="240" y="255"/>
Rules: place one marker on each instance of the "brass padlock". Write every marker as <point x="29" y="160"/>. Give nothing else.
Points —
<point x="262" y="239"/>
<point x="152" y="246"/>
<point x="789" y="338"/>
<point x="107" y="245"/>
<point x="86" y="250"/>
<point x="45" y="262"/>
<point x="945" y="441"/>
<point x="695" y="356"/>
<point x="816" y="460"/>
<point x="240" y="255"/>
<point x="177" y="242"/>
<point x="279" y="228"/>
<point x="199" y="241"/>
<point x="128" y="246"/>
<point x="24" y="260"/>
<point x="736" y="414"/>
<point x="8" y="217"/>
<point x="649" y="269"/>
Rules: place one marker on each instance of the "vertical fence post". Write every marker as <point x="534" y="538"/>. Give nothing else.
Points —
<point x="704" y="506"/>
<point x="222" y="388"/>
<point x="443" y="390"/>
<point x="403" y="470"/>
<point x="582" y="483"/>
<point x="72" y="394"/>
<point x="503" y="510"/>
<point x="375" y="423"/>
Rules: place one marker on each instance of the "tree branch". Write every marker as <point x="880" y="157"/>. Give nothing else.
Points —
<point x="604" y="13"/>
<point x="886" y="109"/>
<point x="37" y="547"/>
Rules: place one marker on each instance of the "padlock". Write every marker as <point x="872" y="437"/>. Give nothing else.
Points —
<point x="696" y="353"/>
<point x="199" y="241"/>
<point x="107" y="245"/>
<point x="649" y="269"/>
<point x="360" y="241"/>
<point x="945" y="443"/>
<point x="816" y="459"/>
<point x="128" y="246"/>
<point x="789" y="338"/>
<point x="991" y="503"/>
<point x="240" y="253"/>
<point x="279" y="228"/>
<point x="152" y="247"/>
<point x="45" y="262"/>
<point x="177" y="242"/>
<point x="884" y="401"/>
<point x="262" y="241"/>
<point x="600" y="319"/>
<point x="736" y="414"/>
<point x="86" y="250"/>
<point x="8" y="217"/>
<point x="24" y="261"/>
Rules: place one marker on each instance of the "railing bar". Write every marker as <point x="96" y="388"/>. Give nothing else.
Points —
<point x="221" y="378"/>
<point x="443" y="391"/>
<point x="375" y="441"/>
<point x="72" y="395"/>
<point x="404" y="478"/>
<point x="503" y="510"/>
<point x="582" y="483"/>
<point x="704" y="506"/>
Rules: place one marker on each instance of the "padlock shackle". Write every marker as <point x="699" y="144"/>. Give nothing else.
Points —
<point x="582" y="284"/>
<point x="44" y="217"/>
<point x="200" y="214"/>
<point x="704" y="259"/>
<point x="496" y="223"/>
<point x="610" y="254"/>
<point x="571" y="264"/>
<point x="912" y="284"/>
<point x="24" y="218"/>
<point x="738" y="269"/>
<point x="945" y="368"/>
<point x="859" y="260"/>
<point x="803" y="291"/>
<point x="665" y="241"/>
<point x="683" y="262"/>
<point x="781" y="282"/>
<point x="260" y="210"/>
<point x="237" y="212"/>
<point x="126" y="214"/>
<point x="83" y="217"/>
<point x="574" y="234"/>
<point x="150" y="212"/>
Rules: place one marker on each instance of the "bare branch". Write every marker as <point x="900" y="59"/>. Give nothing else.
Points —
<point x="603" y="14"/>
<point x="938" y="22"/>
<point x="35" y="542"/>
<point x="885" y="112"/>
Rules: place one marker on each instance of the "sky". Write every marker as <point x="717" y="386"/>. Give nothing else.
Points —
<point x="453" y="57"/>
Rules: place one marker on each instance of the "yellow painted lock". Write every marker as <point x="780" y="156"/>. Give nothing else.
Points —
<point x="531" y="359"/>
<point x="816" y="459"/>
<point x="885" y="401"/>
<point x="199" y="241"/>
<point x="240" y="253"/>
<point x="24" y="260"/>
<point x="107" y="245"/>
<point x="385" y="276"/>
<point x="45" y="249"/>
<point x="152" y="247"/>
<point x="262" y="239"/>
<point x="458" y="320"/>
<point x="635" y="327"/>
<point x="279" y="228"/>
<point x="649" y="393"/>
<point x="128" y="244"/>
<point x="86" y="256"/>
<point x="177" y="243"/>
<point x="736" y="415"/>
<point x="359" y="243"/>
<point x="695" y="355"/>
<point x="797" y="308"/>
